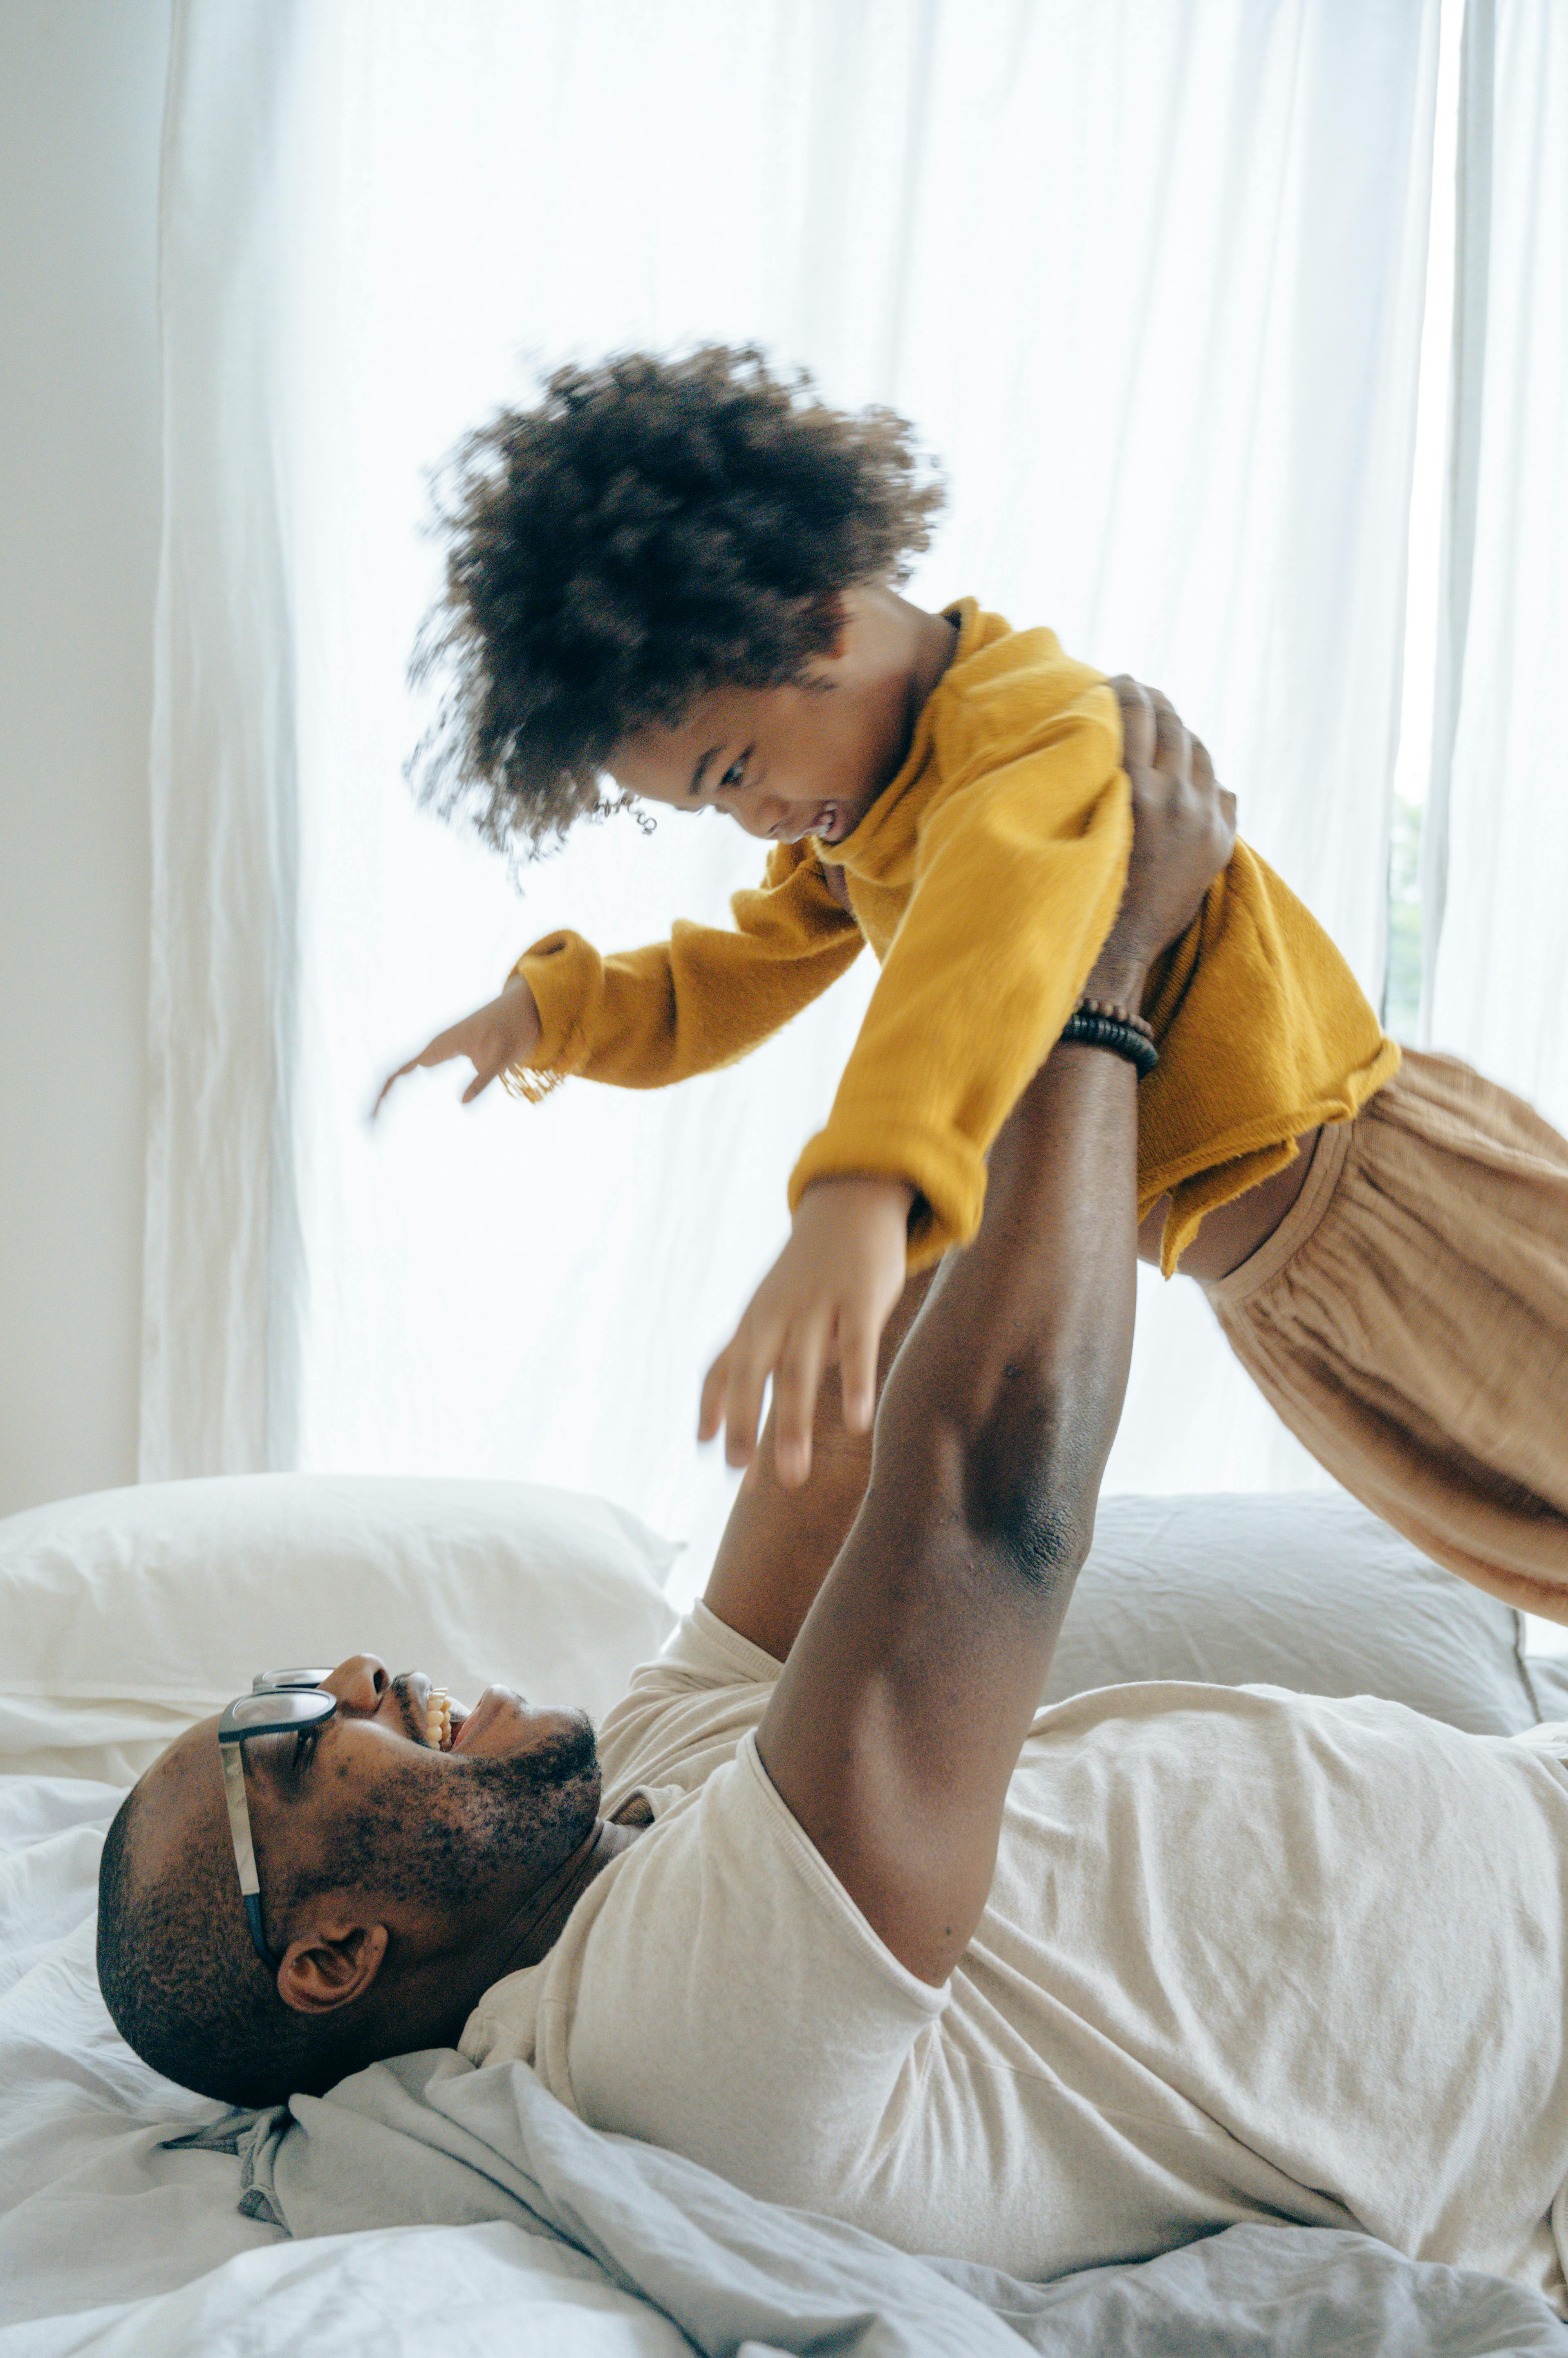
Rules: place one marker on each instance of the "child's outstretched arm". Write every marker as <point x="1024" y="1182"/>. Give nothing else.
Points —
<point x="828" y="1295"/>
<point x="645" y="1018"/>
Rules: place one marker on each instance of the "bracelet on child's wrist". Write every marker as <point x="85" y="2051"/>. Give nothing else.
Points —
<point x="1102" y="1023"/>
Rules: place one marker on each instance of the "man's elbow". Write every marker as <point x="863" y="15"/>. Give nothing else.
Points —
<point x="1033" y="1505"/>
<point x="1016" y="1465"/>
<point x="1043" y="1540"/>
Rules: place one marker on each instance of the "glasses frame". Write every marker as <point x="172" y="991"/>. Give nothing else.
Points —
<point x="237" y="1720"/>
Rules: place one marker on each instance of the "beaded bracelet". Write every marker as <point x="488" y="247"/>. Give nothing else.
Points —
<point x="1115" y="1012"/>
<point x="1096" y="1023"/>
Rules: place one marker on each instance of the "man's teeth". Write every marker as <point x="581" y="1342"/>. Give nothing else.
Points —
<point x="438" y="1720"/>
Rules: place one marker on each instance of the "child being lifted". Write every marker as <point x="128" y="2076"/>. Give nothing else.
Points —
<point x="675" y="581"/>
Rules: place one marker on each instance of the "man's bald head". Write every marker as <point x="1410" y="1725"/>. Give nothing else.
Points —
<point x="179" y="1974"/>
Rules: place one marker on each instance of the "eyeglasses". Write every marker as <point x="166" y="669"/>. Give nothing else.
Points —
<point x="280" y="1703"/>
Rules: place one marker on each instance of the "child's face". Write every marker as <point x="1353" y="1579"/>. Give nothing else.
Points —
<point x="783" y="762"/>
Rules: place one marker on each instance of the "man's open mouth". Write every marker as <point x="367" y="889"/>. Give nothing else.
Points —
<point x="443" y="1718"/>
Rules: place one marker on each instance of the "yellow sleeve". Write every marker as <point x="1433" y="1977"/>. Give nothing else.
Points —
<point x="1018" y="876"/>
<point x="643" y="1017"/>
<point x="1264" y="1033"/>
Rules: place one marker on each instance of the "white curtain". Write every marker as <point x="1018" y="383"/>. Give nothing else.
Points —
<point x="1149" y="281"/>
<point x="1496" y="837"/>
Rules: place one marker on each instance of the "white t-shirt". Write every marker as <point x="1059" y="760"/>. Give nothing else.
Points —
<point x="1247" y="1955"/>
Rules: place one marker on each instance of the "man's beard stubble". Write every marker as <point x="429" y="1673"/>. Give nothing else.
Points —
<point x="436" y="1841"/>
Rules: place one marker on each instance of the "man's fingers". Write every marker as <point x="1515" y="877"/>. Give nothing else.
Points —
<point x="1172" y="747"/>
<point x="1137" y="722"/>
<point x="1210" y="793"/>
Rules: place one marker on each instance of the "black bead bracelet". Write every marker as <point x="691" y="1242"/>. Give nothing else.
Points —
<point x="1095" y="1031"/>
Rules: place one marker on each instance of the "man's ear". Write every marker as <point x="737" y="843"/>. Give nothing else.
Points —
<point x="331" y="1964"/>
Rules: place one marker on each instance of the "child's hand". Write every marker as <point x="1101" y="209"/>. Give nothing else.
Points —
<point x="825" y="1299"/>
<point x="493" y="1038"/>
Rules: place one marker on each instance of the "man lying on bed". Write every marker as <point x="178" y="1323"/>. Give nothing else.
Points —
<point x="866" y="1933"/>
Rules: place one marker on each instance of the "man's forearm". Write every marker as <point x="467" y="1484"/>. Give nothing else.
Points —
<point x="779" y="1545"/>
<point x="897" y="1722"/>
<point x="895" y="1727"/>
<point x="1019" y="1362"/>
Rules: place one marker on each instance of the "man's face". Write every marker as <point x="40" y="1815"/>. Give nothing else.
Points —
<point x="366" y="1821"/>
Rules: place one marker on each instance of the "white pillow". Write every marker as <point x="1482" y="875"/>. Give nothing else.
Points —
<point x="1301" y="1590"/>
<point x="133" y="1613"/>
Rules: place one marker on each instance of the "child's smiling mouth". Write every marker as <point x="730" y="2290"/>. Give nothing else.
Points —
<point x="828" y="822"/>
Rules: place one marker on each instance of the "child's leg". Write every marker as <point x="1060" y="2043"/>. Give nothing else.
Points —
<point x="1408" y="1321"/>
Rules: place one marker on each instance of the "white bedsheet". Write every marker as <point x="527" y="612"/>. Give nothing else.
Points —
<point x="110" y="2244"/>
<point x="113" y="2245"/>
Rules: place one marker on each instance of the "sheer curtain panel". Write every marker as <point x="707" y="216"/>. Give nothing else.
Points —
<point x="1149" y="280"/>
<point x="1497" y="828"/>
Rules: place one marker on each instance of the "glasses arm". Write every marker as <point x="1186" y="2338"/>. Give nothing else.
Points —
<point x="231" y="1755"/>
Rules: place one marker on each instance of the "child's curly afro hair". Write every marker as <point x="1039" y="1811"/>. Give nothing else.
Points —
<point x="652" y="529"/>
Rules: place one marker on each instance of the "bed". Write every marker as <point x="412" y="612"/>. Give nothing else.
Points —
<point x="426" y="2201"/>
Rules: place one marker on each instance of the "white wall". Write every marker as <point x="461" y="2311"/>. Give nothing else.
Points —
<point x="81" y="85"/>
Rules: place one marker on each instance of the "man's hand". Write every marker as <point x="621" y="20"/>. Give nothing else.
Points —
<point x="1184" y="830"/>
<point x="503" y="1033"/>
<point x="826" y="1300"/>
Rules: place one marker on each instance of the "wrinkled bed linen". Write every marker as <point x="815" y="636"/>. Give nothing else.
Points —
<point x="93" y="2209"/>
<point x="112" y="2241"/>
<point x="429" y="2135"/>
<point x="408" y="2209"/>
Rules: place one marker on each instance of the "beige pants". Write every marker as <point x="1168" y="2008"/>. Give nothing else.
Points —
<point x="1408" y="1321"/>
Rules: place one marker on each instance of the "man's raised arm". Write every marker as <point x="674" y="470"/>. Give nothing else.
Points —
<point x="898" y="1718"/>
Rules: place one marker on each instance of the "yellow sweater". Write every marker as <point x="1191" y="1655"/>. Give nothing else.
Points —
<point x="986" y="876"/>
